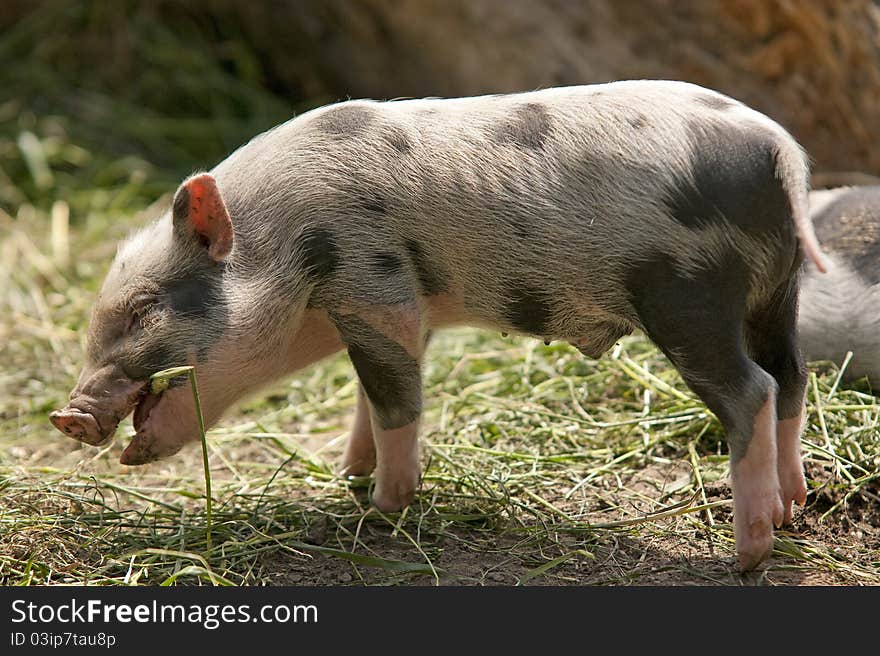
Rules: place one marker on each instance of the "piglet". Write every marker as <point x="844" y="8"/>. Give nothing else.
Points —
<point x="575" y="214"/>
<point x="840" y="311"/>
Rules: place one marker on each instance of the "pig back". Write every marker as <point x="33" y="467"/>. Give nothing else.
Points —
<point x="556" y="192"/>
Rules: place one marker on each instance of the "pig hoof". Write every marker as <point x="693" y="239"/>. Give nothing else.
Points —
<point x="393" y="498"/>
<point x="754" y="533"/>
<point x="794" y="490"/>
<point x="755" y="547"/>
<point x="749" y="561"/>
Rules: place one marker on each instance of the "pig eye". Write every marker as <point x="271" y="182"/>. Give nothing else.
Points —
<point x="139" y="311"/>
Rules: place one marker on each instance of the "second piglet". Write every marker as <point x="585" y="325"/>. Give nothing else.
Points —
<point x="840" y="310"/>
<point x="573" y="214"/>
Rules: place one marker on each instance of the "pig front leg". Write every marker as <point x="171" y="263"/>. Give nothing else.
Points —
<point x="360" y="451"/>
<point x="385" y="346"/>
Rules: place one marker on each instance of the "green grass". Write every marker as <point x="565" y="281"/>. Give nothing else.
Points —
<point x="540" y="466"/>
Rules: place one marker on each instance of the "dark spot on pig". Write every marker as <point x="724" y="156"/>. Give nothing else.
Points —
<point x="849" y="226"/>
<point x="657" y="281"/>
<point x="320" y="253"/>
<point x="388" y="263"/>
<point x="430" y="281"/>
<point x="696" y="319"/>
<point x="714" y="102"/>
<point x="346" y="120"/>
<point x="528" y="310"/>
<point x="390" y="377"/>
<point x="200" y="313"/>
<point x="398" y="139"/>
<point x="373" y="202"/>
<point x="527" y="127"/>
<point x="733" y="179"/>
<point x="192" y="296"/>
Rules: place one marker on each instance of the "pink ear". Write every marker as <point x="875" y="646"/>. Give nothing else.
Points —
<point x="199" y="205"/>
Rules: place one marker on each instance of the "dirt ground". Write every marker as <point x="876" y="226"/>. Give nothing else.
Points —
<point x="669" y="554"/>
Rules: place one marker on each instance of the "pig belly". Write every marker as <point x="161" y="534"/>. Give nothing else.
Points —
<point x="592" y="334"/>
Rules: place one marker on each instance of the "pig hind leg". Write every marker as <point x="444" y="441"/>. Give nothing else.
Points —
<point x="698" y="322"/>
<point x="385" y="346"/>
<point x="771" y="333"/>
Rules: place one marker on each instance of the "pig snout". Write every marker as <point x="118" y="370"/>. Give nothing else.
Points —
<point x="98" y="403"/>
<point x="79" y="425"/>
<point x="85" y="421"/>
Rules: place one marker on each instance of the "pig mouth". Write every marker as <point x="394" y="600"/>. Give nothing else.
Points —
<point x="145" y="404"/>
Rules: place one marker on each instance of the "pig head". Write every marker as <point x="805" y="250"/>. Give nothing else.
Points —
<point x="162" y="304"/>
